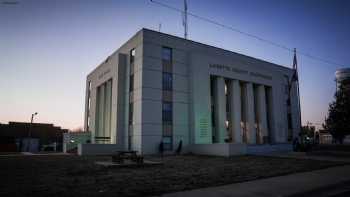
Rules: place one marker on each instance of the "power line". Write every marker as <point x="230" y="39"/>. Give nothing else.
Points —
<point x="248" y="34"/>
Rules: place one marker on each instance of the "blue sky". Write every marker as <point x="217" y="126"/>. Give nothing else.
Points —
<point x="48" y="47"/>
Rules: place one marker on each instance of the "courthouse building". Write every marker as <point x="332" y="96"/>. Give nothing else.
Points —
<point x="158" y="88"/>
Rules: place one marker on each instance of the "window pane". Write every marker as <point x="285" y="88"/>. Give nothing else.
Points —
<point x="167" y="117"/>
<point x="167" y="129"/>
<point x="167" y="81"/>
<point x="166" y="53"/>
<point x="167" y="66"/>
<point x="167" y="106"/>
<point x="167" y="96"/>
<point x="167" y="143"/>
<point x="166" y="140"/>
<point x="167" y="112"/>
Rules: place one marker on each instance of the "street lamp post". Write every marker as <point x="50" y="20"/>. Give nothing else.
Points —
<point x="30" y="125"/>
<point x="29" y="131"/>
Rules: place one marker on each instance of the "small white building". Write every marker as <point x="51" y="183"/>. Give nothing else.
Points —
<point x="71" y="140"/>
<point x="158" y="88"/>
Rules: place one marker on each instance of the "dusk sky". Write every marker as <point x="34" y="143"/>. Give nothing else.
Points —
<point x="47" y="48"/>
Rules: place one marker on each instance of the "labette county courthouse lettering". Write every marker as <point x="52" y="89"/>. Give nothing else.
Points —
<point x="239" y="71"/>
<point x="188" y="93"/>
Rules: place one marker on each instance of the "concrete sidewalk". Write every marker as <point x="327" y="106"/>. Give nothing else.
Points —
<point x="303" y="155"/>
<point x="288" y="185"/>
<point x="21" y="154"/>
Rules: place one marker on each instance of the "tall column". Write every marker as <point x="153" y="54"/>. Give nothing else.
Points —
<point x="271" y="114"/>
<point x="235" y="111"/>
<point x="262" y="119"/>
<point x="220" y="110"/>
<point x="250" y="115"/>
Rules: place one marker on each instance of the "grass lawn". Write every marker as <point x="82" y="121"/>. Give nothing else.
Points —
<point x="56" y="175"/>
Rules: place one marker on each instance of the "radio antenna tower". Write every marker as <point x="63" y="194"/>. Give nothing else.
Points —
<point x="184" y="19"/>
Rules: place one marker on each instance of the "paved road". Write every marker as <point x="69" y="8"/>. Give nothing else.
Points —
<point x="335" y="190"/>
<point x="315" y="182"/>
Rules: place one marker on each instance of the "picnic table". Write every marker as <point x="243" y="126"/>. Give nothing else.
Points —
<point x="121" y="156"/>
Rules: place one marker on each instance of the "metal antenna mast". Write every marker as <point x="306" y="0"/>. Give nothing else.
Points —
<point x="295" y="79"/>
<point x="184" y="18"/>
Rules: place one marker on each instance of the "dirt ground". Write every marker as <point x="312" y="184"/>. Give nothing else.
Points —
<point x="80" y="176"/>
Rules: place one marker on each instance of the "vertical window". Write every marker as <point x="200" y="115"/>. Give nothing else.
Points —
<point x="131" y="75"/>
<point x="131" y="86"/>
<point x="167" y="107"/>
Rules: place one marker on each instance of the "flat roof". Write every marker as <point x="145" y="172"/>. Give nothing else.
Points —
<point x="192" y="42"/>
<point x="214" y="47"/>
